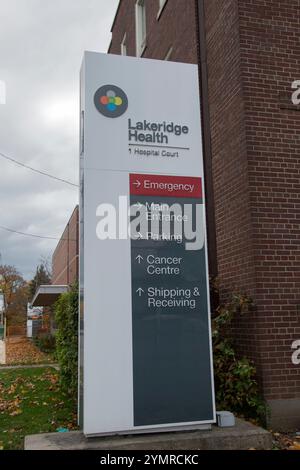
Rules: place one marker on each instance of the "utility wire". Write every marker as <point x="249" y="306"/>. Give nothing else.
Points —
<point x="37" y="171"/>
<point x="32" y="235"/>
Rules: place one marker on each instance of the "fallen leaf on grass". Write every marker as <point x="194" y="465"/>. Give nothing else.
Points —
<point x="11" y="389"/>
<point x="10" y="406"/>
<point x="30" y="385"/>
<point x="16" y="413"/>
<point x="295" y="446"/>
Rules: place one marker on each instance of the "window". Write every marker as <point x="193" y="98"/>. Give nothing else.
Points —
<point x="169" y="53"/>
<point x="140" y="24"/>
<point x="161" y="7"/>
<point x="124" y="45"/>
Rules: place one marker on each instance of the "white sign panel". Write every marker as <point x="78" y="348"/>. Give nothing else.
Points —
<point x="146" y="361"/>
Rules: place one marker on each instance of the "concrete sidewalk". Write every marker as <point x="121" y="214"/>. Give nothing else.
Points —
<point x="242" y="436"/>
<point x="30" y="366"/>
<point x="2" y="352"/>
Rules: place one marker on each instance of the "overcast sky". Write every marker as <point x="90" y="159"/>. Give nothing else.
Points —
<point x="41" y="48"/>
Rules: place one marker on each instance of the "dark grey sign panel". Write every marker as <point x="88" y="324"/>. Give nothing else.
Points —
<point x="171" y="351"/>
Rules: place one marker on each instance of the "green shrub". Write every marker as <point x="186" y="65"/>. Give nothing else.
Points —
<point x="45" y="342"/>
<point x="235" y="378"/>
<point x="66" y="317"/>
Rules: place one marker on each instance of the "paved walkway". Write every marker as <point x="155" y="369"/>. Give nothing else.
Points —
<point x="30" y="366"/>
<point x="2" y="352"/>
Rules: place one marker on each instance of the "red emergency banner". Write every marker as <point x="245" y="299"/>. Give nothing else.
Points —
<point x="167" y="186"/>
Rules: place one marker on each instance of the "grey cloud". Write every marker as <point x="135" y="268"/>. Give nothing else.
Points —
<point x="41" y="48"/>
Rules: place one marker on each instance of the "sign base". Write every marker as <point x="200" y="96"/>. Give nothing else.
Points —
<point x="137" y="432"/>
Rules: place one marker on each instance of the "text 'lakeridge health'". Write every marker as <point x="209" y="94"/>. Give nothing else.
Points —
<point x="154" y="132"/>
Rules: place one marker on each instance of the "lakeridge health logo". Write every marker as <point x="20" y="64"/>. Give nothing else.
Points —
<point x="111" y="101"/>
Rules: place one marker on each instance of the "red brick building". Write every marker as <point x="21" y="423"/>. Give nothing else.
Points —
<point x="65" y="264"/>
<point x="65" y="258"/>
<point x="249" y="55"/>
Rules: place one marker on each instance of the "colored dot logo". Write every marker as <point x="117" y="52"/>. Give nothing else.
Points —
<point x="111" y="101"/>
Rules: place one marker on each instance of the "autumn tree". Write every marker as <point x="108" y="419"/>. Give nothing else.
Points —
<point x="16" y="311"/>
<point x="15" y="290"/>
<point x="10" y="281"/>
<point x="42" y="276"/>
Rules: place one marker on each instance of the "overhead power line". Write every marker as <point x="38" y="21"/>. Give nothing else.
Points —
<point x="37" y="171"/>
<point x="33" y="235"/>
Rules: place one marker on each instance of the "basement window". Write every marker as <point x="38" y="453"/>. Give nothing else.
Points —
<point x="140" y="24"/>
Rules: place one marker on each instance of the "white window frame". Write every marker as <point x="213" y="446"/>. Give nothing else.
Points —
<point x="169" y="53"/>
<point x="140" y="26"/>
<point x="161" y="7"/>
<point x="124" y="45"/>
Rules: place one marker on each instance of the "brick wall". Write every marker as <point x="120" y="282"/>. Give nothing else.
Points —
<point x="253" y="53"/>
<point x="253" y="57"/>
<point x="124" y="23"/>
<point x="171" y="29"/>
<point x="270" y="52"/>
<point x="229" y="162"/>
<point x="65" y="257"/>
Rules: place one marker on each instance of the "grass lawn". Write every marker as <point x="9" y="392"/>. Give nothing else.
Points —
<point x="31" y="402"/>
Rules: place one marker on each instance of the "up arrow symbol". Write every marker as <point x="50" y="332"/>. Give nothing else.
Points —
<point x="140" y="291"/>
<point x="139" y="259"/>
